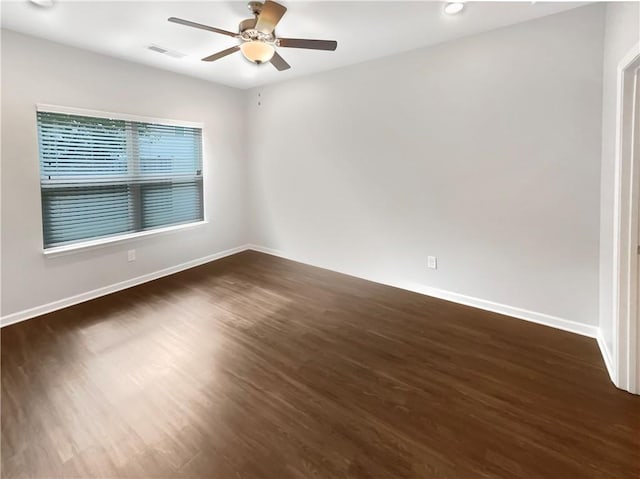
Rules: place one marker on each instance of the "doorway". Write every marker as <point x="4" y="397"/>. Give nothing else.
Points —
<point x="634" y="327"/>
<point x="626" y="330"/>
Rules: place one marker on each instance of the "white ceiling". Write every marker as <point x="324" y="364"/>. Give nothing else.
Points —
<point x="364" y="30"/>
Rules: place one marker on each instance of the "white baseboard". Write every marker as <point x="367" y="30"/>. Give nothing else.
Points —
<point x="520" y="313"/>
<point x="540" y="318"/>
<point x="96" y="293"/>
<point x="607" y="356"/>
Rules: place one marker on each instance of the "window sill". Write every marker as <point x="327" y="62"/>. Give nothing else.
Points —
<point x="112" y="240"/>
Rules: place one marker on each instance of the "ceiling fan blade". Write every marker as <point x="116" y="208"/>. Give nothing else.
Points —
<point x="309" y="44"/>
<point x="202" y="27"/>
<point x="278" y="62"/>
<point x="219" y="55"/>
<point x="269" y="16"/>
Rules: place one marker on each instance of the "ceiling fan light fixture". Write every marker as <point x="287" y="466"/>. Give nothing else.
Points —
<point x="257" y="51"/>
<point x="453" y="8"/>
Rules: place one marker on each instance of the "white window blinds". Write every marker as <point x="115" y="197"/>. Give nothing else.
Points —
<point x="102" y="177"/>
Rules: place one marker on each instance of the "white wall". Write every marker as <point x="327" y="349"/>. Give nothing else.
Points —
<point x="483" y="151"/>
<point x="38" y="71"/>
<point x="622" y="32"/>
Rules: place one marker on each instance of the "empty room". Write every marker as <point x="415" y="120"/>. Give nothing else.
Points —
<point x="329" y="239"/>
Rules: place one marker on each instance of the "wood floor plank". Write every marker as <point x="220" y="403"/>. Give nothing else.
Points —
<point x="260" y="368"/>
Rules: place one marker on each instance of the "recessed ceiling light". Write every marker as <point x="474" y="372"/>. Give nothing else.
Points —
<point x="453" y="8"/>
<point x="42" y="3"/>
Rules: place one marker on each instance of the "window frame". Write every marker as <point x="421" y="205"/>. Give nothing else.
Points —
<point x="132" y="236"/>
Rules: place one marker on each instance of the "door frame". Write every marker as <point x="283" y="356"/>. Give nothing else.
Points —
<point x="625" y="354"/>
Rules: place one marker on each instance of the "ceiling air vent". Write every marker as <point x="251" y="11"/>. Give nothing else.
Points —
<point x="165" y="51"/>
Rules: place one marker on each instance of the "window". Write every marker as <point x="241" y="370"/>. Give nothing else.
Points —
<point x="102" y="177"/>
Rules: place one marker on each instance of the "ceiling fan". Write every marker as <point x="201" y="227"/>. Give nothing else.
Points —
<point x="258" y="37"/>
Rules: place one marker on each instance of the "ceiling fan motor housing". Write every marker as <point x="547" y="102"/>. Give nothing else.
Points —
<point x="248" y="32"/>
<point x="248" y="24"/>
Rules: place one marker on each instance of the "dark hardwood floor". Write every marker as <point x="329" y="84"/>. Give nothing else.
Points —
<point x="257" y="367"/>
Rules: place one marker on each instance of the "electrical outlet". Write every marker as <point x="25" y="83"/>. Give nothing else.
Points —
<point x="131" y="255"/>
<point x="432" y="262"/>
